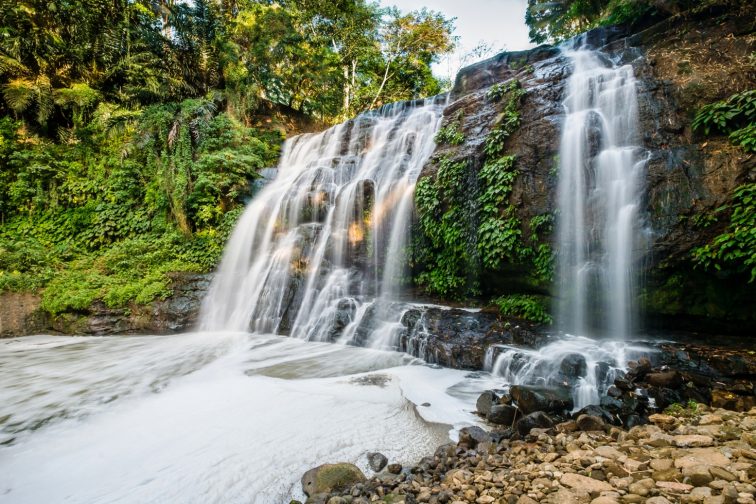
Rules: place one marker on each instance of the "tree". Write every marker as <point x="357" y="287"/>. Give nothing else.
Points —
<point x="411" y="42"/>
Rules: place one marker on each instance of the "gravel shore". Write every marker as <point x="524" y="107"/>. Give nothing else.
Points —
<point x="702" y="455"/>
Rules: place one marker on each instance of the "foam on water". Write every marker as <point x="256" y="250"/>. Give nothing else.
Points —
<point x="223" y="417"/>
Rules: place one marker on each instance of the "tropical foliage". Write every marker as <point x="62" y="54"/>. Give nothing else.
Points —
<point x="557" y="20"/>
<point x="131" y="130"/>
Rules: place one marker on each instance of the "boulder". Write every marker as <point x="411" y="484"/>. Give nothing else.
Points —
<point x="376" y="461"/>
<point x="328" y="477"/>
<point x="573" y="366"/>
<point x="590" y="423"/>
<point x="470" y="437"/>
<point x="530" y="399"/>
<point x="485" y="401"/>
<point x="537" y="419"/>
<point x="502" y="414"/>
<point x="667" y="379"/>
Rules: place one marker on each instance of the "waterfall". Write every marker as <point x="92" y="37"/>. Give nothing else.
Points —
<point x="600" y="173"/>
<point x="322" y="245"/>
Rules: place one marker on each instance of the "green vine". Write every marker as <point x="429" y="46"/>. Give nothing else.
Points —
<point x="499" y="232"/>
<point x="451" y="134"/>
<point x="467" y="223"/>
<point x="735" y="249"/>
<point x="735" y="116"/>
<point x="441" y="206"/>
<point x="528" y="307"/>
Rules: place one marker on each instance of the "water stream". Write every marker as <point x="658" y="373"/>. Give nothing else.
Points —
<point x="322" y="245"/>
<point x="600" y="237"/>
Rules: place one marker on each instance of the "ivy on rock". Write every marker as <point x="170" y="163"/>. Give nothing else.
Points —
<point x="468" y="226"/>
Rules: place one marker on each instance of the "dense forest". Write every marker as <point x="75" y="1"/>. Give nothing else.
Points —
<point x="130" y="129"/>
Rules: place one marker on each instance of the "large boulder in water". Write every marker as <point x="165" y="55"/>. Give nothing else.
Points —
<point x="329" y="477"/>
<point x="486" y="401"/>
<point x="573" y="366"/>
<point x="549" y="399"/>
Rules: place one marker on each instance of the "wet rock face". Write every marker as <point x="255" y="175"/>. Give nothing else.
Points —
<point x="549" y="399"/>
<point x="681" y="65"/>
<point x="20" y="314"/>
<point x="458" y="338"/>
<point x="179" y="312"/>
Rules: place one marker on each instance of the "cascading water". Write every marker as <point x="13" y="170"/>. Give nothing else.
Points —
<point x="600" y="173"/>
<point x="322" y="245"/>
<point x="599" y="236"/>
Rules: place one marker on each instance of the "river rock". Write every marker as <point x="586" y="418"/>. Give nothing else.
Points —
<point x="502" y="414"/>
<point x="573" y="366"/>
<point x="590" y="485"/>
<point x="538" y="419"/>
<point x="394" y="468"/>
<point x="328" y="477"/>
<point x="485" y="401"/>
<point x="530" y="399"/>
<point x="692" y="440"/>
<point x="470" y="437"/>
<point x="697" y="475"/>
<point x="377" y="461"/>
<point x="590" y="423"/>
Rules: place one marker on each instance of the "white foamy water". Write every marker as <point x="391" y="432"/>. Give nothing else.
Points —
<point x="599" y="198"/>
<point x="326" y="238"/>
<point x="207" y="417"/>
<point x="600" y="362"/>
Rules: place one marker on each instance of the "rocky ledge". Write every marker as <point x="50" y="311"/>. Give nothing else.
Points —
<point x="698" y="455"/>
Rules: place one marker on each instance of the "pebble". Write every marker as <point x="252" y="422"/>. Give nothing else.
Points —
<point x="674" y="459"/>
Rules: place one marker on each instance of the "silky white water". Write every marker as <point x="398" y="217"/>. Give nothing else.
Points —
<point x="323" y="244"/>
<point x="599" y="192"/>
<point x="208" y="417"/>
<point x="599" y="362"/>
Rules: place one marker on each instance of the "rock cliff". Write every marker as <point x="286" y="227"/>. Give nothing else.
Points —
<point x="681" y="64"/>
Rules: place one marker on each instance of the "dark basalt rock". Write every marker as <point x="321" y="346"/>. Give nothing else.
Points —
<point x="590" y="423"/>
<point x="537" y="419"/>
<point x="502" y="414"/>
<point x="470" y="437"/>
<point x="376" y="461"/>
<point x="573" y="366"/>
<point x="458" y="338"/>
<point x="597" y="411"/>
<point x="551" y="400"/>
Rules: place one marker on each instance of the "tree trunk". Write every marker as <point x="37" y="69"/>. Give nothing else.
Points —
<point x="383" y="83"/>
<point x="347" y="92"/>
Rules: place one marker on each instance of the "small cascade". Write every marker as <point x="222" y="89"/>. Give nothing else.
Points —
<point x="319" y="252"/>
<point x="600" y="237"/>
<point x="587" y="366"/>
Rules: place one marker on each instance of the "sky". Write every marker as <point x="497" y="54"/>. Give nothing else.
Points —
<point x="500" y="23"/>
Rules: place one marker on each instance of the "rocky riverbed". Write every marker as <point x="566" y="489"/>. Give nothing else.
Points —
<point x="697" y="454"/>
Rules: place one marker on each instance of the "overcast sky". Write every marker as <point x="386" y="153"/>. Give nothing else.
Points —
<point x="497" y="22"/>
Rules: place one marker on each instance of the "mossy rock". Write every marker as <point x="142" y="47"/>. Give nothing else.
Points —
<point x="328" y="477"/>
